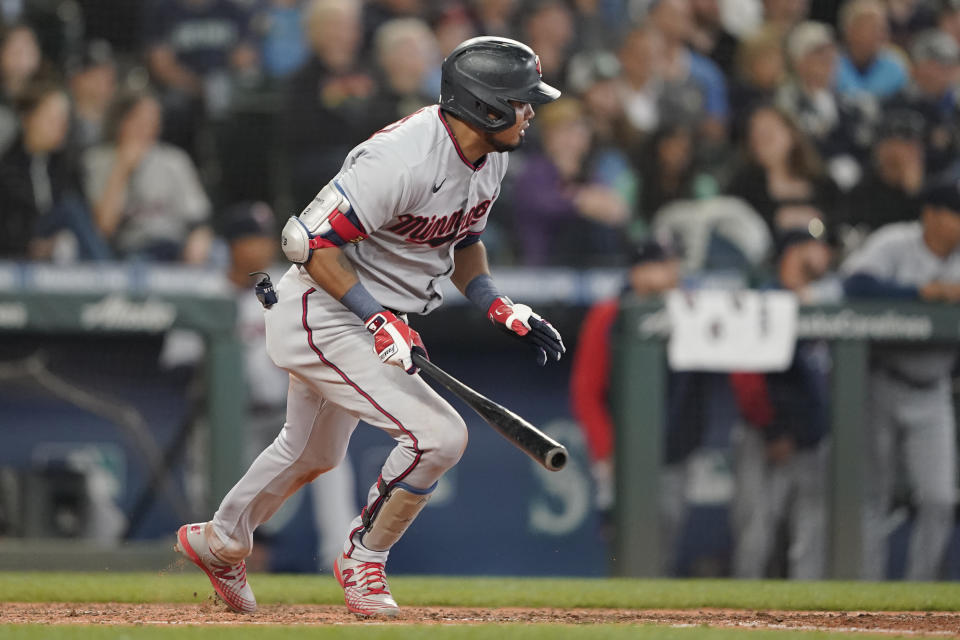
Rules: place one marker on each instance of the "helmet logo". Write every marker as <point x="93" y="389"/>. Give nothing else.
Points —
<point x="536" y="60"/>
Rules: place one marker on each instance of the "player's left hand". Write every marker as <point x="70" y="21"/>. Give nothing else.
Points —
<point x="522" y="322"/>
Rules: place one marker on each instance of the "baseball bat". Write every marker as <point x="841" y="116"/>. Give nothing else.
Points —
<point x="535" y="443"/>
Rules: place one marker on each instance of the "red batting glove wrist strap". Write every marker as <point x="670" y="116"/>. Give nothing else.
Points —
<point x="496" y="306"/>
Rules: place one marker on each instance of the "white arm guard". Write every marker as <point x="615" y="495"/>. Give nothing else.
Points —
<point x="295" y="241"/>
<point x="326" y="222"/>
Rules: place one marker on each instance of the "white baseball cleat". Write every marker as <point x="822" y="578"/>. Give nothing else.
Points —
<point x="365" y="588"/>
<point x="228" y="580"/>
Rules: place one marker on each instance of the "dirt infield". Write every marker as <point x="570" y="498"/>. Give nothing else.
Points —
<point x="920" y="624"/>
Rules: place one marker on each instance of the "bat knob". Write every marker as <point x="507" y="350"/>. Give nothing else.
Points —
<point x="556" y="458"/>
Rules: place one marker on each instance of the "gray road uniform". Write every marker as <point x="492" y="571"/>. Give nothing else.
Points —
<point x="910" y="418"/>
<point x="409" y="192"/>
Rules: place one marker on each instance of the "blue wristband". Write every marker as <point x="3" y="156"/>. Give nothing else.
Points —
<point x="482" y="292"/>
<point x="359" y="300"/>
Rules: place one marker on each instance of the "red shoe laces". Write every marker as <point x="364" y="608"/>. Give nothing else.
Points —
<point x="372" y="573"/>
<point x="237" y="572"/>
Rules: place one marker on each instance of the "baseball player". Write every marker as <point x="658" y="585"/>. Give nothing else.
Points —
<point x="910" y="410"/>
<point x="406" y="210"/>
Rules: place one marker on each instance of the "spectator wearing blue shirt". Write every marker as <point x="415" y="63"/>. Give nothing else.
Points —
<point x="283" y="45"/>
<point x="867" y="64"/>
<point x="673" y="20"/>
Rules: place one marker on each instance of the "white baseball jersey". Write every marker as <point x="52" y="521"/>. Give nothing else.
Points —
<point x="897" y="253"/>
<point x="417" y="197"/>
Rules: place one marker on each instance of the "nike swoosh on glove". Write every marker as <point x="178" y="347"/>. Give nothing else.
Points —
<point x="394" y="340"/>
<point x="520" y="321"/>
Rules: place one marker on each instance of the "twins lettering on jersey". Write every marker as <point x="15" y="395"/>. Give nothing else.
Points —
<point x="438" y="230"/>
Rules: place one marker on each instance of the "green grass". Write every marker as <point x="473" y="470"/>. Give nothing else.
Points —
<point x="370" y="632"/>
<point x="189" y="585"/>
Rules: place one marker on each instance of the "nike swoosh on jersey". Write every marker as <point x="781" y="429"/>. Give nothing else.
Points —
<point x="436" y="187"/>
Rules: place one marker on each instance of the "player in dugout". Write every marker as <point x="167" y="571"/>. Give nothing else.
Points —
<point x="910" y="418"/>
<point x="406" y="211"/>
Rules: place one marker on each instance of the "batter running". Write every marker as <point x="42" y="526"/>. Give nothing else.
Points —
<point x="406" y="210"/>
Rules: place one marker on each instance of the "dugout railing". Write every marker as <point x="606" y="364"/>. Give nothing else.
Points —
<point x="638" y="390"/>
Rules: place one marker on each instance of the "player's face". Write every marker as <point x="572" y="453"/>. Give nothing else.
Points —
<point x="512" y="138"/>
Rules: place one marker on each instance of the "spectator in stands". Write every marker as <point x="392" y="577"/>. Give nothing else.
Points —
<point x="376" y="13"/>
<point x="595" y="78"/>
<point x="866" y="63"/>
<point x="669" y="170"/>
<point x="760" y="70"/>
<point x="146" y="195"/>
<point x="783" y="178"/>
<point x="891" y="185"/>
<point x="909" y="414"/>
<point x="572" y="202"/>
<point x="20" y="60"/>
<point x="654" y="270"/>
<point x="93" y="86"/>
<point x="642" y="82"/>
<point x="948" y="18"/>
<point x="784" y="15"/>
<point x="710" y="37"/>
<point x="599" y="23"/>
<point x="283" y="45"/>
<point x="406" y="53"/>
<point x="673" y="20"/>
<point x="909" y="17"/>
<point x="780" y="448"/>
<point x="57" y="24"/>
<point x="548" y="29"/>
<point x="192" y="48"/>
<point x="451" y="25"/>
<point x="494" y="17"/>
<point x="42" y="212"/>
<point x="838" y="126"/>
<point x="11" y="12"/>
<point x="327" y="99"/>
<point x="936" y="60"/>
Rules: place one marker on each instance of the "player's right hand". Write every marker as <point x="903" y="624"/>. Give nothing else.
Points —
<point x="394" y="340"/>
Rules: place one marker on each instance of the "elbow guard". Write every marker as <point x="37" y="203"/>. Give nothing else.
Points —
<point x="328" y="221"/>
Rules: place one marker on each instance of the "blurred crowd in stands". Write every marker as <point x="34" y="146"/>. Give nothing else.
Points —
<point x="127" y="128"/>
<point x="711" y="134"/>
